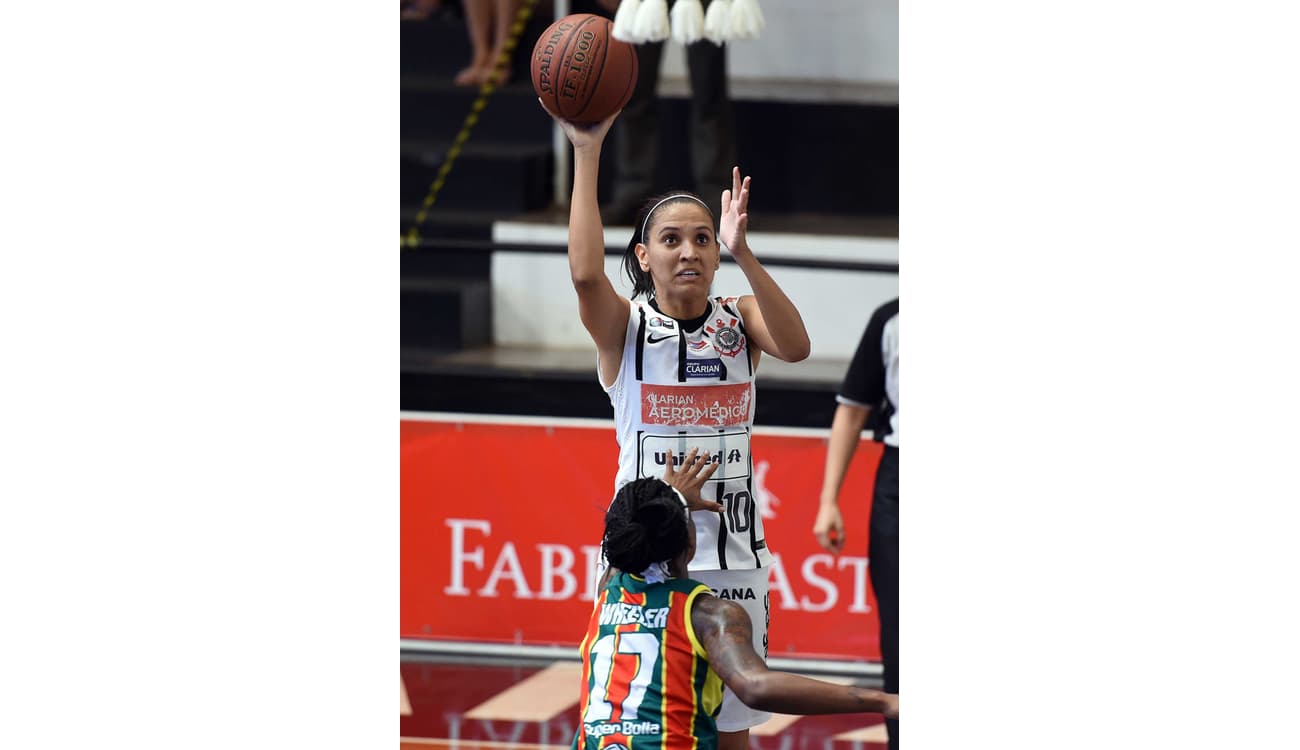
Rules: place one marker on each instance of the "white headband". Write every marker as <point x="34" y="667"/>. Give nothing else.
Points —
<point x="656" y="206"/>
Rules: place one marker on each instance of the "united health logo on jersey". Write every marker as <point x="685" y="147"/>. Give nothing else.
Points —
<point x="704" y="368"/>
<point x="728" y="449"/>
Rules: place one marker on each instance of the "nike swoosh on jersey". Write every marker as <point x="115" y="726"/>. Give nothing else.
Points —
<point x="652" y="340"/>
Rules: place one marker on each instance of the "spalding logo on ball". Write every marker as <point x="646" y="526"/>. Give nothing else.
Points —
<point x="580" y="71"/>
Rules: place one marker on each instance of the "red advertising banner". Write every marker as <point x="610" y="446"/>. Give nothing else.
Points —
<point x="501" y="526"/>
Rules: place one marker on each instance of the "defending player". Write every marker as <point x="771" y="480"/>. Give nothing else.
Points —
<point x="660" y="646"/>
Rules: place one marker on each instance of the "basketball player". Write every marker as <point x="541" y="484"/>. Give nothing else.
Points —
<point x="678" y="364"/>
<point x="660" y="647"/>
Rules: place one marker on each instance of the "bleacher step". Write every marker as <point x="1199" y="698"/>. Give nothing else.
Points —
<point x="434" y="107"/>
<point x="446" y="314"/>
<point x="511" y="178"/>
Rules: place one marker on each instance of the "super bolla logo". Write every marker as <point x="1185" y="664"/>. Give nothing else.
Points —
<point x="483" y="566"/>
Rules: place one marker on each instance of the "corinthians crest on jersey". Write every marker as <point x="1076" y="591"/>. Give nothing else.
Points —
<point x="679" y="390"/>
<point x="726" y="335"/>
<point x="728" y="341"/>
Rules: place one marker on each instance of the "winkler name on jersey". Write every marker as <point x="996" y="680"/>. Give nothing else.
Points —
<point x="677" y="390"/>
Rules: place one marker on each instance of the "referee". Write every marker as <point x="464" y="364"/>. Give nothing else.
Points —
<point x="870" y="385"/>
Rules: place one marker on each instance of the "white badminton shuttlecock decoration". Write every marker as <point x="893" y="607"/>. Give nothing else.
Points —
<point x="746" y="19"/>
<point x="687" y="21"/>
<point x="717" y="21"/>
<point x="651" y="21"/>
<point x="625" y="21"/>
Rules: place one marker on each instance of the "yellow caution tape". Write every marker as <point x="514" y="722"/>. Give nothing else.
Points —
<point x="412" y="237"/>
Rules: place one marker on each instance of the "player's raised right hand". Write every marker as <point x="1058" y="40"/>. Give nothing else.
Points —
<point x="583" y="136"/>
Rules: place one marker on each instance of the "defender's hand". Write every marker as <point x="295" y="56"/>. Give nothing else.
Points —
<point x="691" y="479"/>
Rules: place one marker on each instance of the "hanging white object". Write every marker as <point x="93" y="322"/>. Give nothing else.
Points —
<point x="746" y="19"/>
<point x="651" y="21"/>
<point x="717" y="21"/>
<point x="625" y="21"/>
<point x="687" y="21"/>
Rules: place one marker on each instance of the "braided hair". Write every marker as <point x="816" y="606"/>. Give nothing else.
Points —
<point x="645" y="524"/>
<point x="642" y="283"/>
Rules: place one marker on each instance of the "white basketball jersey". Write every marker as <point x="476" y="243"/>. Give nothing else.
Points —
<point x="677" y="390"/>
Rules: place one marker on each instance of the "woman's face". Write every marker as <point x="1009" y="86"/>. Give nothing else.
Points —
<point x="680" y="250"/>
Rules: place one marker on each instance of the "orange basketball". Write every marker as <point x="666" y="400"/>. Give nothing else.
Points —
<point x="580" y="71"/>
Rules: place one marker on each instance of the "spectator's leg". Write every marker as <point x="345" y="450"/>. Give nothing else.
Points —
<point x="503" y="18"/>
<point x="713" y="129"/>
<point x="478" y="19"/>
<point x="637" y="139"/>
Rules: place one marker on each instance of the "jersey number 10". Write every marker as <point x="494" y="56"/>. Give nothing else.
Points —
<point x="737" y="511"/>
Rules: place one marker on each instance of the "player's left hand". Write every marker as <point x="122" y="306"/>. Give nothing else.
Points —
<point x="691" y="479"/>
<point x="735" y="216"/>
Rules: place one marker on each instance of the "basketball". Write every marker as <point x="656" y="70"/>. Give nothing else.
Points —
<point x="580" y="71"/>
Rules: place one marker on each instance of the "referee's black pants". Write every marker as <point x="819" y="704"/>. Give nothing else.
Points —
<point x="883" y="553"/>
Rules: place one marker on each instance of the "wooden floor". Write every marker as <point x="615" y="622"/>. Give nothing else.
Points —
<point x="462" y="705"/>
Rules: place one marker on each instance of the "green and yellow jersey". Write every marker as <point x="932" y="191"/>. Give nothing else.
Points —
<point x="646" y="684"/>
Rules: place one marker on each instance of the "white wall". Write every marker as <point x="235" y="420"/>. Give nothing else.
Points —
<point x="851" y="42"/>
<point x="534" y="305"/>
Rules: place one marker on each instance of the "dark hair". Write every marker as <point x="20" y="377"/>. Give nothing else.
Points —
<point x="641" y="281"/>
<point x="645" y="524"/>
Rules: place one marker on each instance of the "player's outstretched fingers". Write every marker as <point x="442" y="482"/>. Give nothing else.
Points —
<point x="677" y="478"/>
<point x="670" y="475"/>
<point x="696" y="491"/>
<point x="699" y="503"/>
<point x="698" y="471"/>
<point x="690" y="478"/>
